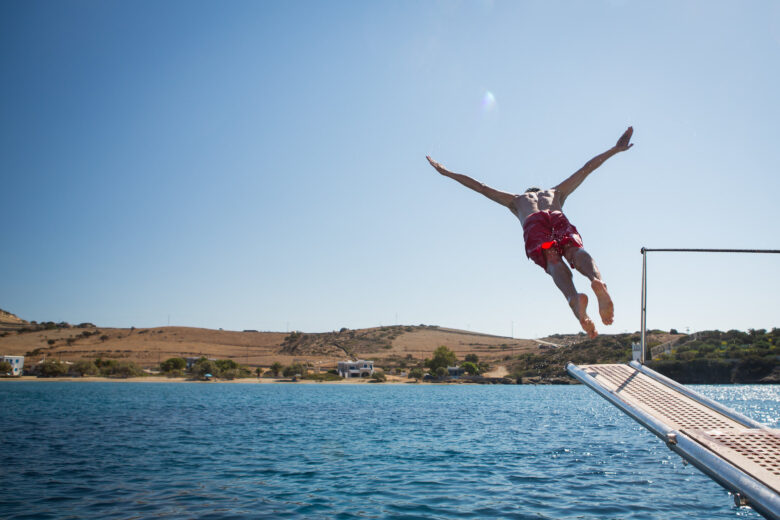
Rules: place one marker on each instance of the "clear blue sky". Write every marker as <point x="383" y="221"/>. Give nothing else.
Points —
<point x="262" y="164"/>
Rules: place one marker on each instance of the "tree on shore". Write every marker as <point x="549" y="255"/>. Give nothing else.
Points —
<point x="470" y="368"/>
<point x="276" y="368"/>
<point x="442" y="357"/>
<point x="171" y="364"/>
<point x="119" y="368"/>
<point x="416" y="373"/>
<point x="295" y="369"/>
<point x="202" y="367"/>
<point x="52" y="369"/>
<point x="84" y="367"/>
<point x="6" y="369"/>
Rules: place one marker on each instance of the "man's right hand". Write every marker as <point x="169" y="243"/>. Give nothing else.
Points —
<point x="623" y="143"/>
<point x="439" y="168"/>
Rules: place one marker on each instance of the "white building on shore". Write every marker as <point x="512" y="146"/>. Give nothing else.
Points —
<point x="17" y="364"/>
<point x="359" y="368"/>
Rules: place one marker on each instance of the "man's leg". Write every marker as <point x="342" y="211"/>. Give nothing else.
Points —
<point x="562" y="277"/>
<point x="584" y="263"/>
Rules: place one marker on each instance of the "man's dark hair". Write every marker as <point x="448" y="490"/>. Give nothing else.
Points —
<point x="533" y="189"/>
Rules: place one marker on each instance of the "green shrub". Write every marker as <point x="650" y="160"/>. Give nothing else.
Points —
<point x="224" y="365"/>
<point x="470" y="368"/>
<point x="294" y="369"/>
<point x="230" y="373"/>
<point x="696" y="371"/>
<point x="84" y="367"/>
<point x="202" y="367"/>
<point x="52" y="369"/>
<point x="416" y="373"/>
<point x="6" y="368"/>
<point x="379" y="376"/>
<point x="171" y="364"/>
<point x="442" y="358"/>
<point x="753" y="368"/>
<point x="120" y="369"/>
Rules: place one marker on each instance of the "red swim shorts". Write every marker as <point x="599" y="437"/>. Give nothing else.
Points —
<point x="548" y="229"/>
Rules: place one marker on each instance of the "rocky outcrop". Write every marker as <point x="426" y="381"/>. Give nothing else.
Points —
<point x="9" y="321"/>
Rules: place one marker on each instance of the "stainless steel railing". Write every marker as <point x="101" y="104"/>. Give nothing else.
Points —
<point x="646" y="250"/>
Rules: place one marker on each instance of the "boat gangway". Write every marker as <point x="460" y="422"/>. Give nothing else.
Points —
<point x="740" y="454"/>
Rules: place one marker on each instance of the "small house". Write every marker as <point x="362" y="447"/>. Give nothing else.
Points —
<point x="360" y="368"/>
<point x="17" y="364"/>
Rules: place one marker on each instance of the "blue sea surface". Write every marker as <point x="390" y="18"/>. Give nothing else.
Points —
<point x="149" y="450"/>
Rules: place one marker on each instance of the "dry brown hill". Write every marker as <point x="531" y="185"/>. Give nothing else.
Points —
<point x="147" y="347"/>
<point x="10" y="321"/>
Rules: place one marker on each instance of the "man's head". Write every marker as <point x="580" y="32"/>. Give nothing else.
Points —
<point x="533" y="189"/>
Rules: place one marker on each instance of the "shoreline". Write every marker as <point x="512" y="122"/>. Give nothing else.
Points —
<point x="162" y="379"/>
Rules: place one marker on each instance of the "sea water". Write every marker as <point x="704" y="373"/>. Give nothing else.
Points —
<point x="149" y="450"/>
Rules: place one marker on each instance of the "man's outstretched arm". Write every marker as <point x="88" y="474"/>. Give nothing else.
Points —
<point x="503" y="198"/>
<point x="565" y="188"/>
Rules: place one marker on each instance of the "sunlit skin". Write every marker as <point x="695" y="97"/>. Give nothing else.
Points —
<point x="530" y="202"/>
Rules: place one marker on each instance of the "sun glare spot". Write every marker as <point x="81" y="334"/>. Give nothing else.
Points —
<point x="488" y="102"/>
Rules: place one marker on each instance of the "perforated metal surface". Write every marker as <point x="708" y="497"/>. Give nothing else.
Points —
<point x="757" y="452"/>
<point x="671" y="407"/>
<point x="754" y="451"/>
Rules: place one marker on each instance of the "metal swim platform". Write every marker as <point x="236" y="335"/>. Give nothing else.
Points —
<point x="738" y="453"/>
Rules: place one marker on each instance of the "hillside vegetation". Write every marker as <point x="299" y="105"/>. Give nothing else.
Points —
<point x="723" y="357"/>
<point x="703" y="357"/>
<point x="711" y="357"/>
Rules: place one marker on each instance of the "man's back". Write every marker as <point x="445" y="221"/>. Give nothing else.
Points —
<point x="530" y="202"/>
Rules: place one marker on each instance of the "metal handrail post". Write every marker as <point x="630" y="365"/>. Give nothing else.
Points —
<point x="643" y="352"/>
<point x="644" y="305"/>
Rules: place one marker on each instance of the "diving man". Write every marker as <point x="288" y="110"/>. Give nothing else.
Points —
<point x="550" y="237"/>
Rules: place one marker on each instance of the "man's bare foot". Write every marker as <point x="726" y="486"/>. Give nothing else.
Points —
<point x="606" y="309"/>
<point x="579" y="305"/>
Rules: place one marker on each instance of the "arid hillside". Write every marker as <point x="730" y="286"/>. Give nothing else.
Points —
<point x="147" y="347"/>
<point x="10" y="321"/>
